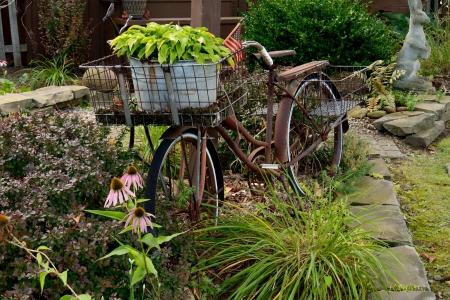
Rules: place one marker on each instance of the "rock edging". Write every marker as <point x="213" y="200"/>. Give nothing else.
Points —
<point x="44" y="98"/>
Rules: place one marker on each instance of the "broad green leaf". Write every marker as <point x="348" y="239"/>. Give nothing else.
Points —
<point x="201" y="40"/>
<point x="150" y="241"/>
<point x="163" y="55"/>
<point x="131" y="42"/>
<point x="39" y="258"/>
<point x="67" y="297"/>
<point x="138" y="275"/>
<point x="164" y="239"/>
<point x="150" y="266"/>
<point x="142" y="200"/>
<point x="328" y="280"/>
<point x="121" y="250"/>
<point x="128" y="228"/>
<point x="43" y="248"/>
<point x="173" y="56"/>
<point x="84" y="297"/>
<point x="63" y="277"/>
<point x="117" y="215"/>
<point x="180" y="49"/>
<point x="149" y="49"/>
<point x="197" y="48"/>
<point x="156" y="225"/>
<point x="42" y="279"/>
<point x="230" y="61"/>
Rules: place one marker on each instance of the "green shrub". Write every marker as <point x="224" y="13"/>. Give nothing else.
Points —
<point x="340" y="31"/>
<point x="52" y="166"/>
<point x="438" y="37"/>
<point x="279" y="252"/>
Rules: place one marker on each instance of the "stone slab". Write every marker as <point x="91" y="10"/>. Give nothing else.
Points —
<point x="11" y="103"/>
<point x="412" y="113"/>
<point x="392" y="154"/>
<point x="445" y="100"/>
<point x="411" y="125"/>
<point x="406" y="267"/>
<point x="372" y="191"/>
<point x="384" y="221"/>
<point x="50" y="95"/>
<point x="79" y="91"/>
<point x="427" y="136"/>
<point x="383" y="295"/>
<point x="431" y="107"/>
<point x="378" y="124"/>
<point x="376" y="114"/>
<point x="446" y="116"/>
<point x="382" y="148"/>
<point x="379" y="167"/>
<point x="429" y="97"/>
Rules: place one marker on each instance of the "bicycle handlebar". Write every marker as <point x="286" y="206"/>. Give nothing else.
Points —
<point x="264" y="55"/>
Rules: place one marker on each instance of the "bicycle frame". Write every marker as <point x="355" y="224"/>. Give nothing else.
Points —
<point x="233" y="124"/>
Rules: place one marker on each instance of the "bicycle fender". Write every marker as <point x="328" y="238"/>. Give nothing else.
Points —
<point x="174" y="132"/>
<point x="280" y="136"/>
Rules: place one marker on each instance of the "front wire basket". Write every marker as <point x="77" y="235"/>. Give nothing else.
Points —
<point x="204" y="94"/>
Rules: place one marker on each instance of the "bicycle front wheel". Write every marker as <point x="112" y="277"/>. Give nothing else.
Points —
<point x="172" y="181"/>
<point x="309" y="133"/>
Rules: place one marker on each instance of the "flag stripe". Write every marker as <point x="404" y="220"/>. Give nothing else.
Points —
<point x="235" y="45"/>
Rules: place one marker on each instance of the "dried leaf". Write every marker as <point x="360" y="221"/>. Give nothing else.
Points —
<point x="197" y="294"/>
<point x="428" y="257"/>
<point x="77" y="221"/>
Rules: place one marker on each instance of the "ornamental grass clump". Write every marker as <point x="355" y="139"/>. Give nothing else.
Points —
<point x="282" y="252"/>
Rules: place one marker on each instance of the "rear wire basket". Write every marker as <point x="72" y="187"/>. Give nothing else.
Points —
<point x="348" y="86"/>
<point x="204" y="94"/>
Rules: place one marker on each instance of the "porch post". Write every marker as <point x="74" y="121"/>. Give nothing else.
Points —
<point x="206" y="13"/>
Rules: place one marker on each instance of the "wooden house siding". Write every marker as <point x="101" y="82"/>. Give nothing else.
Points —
<point x="161" y="11"/>
<point x="176" y="11"/>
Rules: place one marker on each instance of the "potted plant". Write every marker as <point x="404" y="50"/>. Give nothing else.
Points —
<point x="191" y="54"/>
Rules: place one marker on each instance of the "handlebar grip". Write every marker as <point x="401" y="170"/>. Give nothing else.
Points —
<point x="265" y="56"/>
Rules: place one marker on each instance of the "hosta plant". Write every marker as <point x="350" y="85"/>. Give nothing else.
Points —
<point x="170" y="43"/>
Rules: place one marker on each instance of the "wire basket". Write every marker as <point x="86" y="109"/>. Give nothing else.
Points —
<point x="336" y="90"/>
<point x="136" y="92"/>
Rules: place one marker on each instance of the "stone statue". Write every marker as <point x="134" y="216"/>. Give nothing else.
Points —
<point x="414" y="47"/>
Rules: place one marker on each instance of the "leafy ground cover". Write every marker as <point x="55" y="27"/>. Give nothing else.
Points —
<point x="422" y="185"/>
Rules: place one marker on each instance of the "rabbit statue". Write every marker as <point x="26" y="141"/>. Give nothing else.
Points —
<point x="414" y="47"/>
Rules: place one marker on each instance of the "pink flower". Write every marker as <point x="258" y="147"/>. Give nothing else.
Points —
<point x="118" y="191"/>
<point x="3" y="63"/>
<point x="132" y="177"/>
<point x="140" y="219"/>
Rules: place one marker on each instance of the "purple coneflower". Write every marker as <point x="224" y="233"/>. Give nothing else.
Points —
<point x="132" y="176"/>
<point x="118" y="191"/>
<point x="140" y="217"/>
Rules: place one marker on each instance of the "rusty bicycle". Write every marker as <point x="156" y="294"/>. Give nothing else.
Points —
<point x="304" y="109"/>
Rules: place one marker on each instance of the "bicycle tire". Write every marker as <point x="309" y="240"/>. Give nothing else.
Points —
<point x="296" y="132"/>
<point x="169" y="153"/>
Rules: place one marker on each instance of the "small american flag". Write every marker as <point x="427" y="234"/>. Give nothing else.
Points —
<point x="234" y="43"/>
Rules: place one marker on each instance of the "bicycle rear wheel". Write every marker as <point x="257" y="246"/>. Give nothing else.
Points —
<point x="309" y="133"/>
<point x="172" y="181"/>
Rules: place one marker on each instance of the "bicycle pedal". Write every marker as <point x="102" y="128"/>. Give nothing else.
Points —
<point x="270" y="166"/>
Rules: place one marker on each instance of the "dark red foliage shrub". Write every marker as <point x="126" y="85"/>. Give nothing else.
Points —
<point x="52" y="166"/>
<point x="63" y="28"/>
